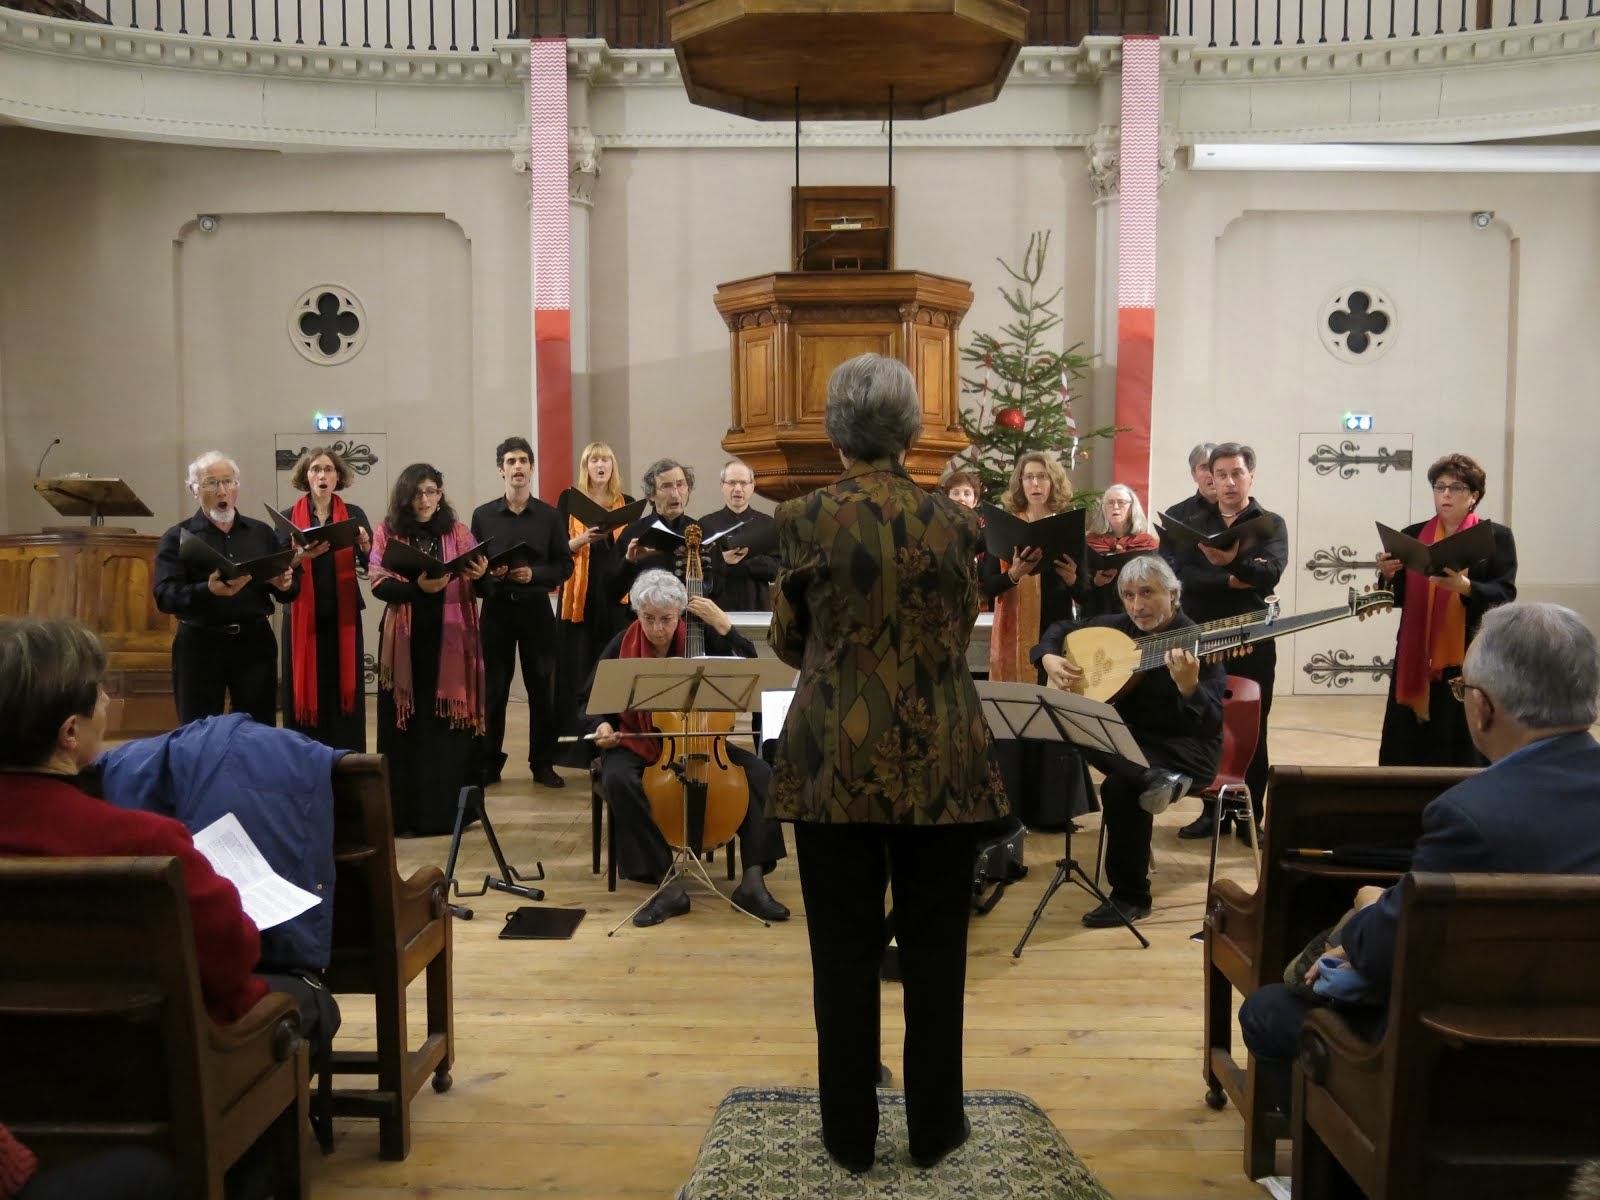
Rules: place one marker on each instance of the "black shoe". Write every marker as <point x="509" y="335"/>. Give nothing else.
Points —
<point x="885" y="1076"/>
<point x="932" y="1160"/>
<point x="663" y="908"/>
<point x="1202" y="826"/>
<point x="490" y="778"/>
<point x="851" y="1163"/>
<point x="1161" y="789"/>
<point x="1105" y="916"/>
<point x="546" y="776"/>
<point x="759" y="902"/>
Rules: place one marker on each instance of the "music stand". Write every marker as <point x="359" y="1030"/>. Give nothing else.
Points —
<point x="1046" y="714"/>
<point x="685" y="685"/>
<point x="95" y="498"/>
<point x="511" y="880"/>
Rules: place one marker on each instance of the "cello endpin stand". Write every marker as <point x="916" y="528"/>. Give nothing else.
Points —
<point x="687" y="867"/>
<point x="511" y="880"/>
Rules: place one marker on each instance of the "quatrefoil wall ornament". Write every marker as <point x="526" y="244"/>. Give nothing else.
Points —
<point x="328" y="325"/>
<point x="1358" y="323"/>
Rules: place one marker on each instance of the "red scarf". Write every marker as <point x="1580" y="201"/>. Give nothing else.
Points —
<point x="636" y="645"/>
<point x="1433" y="631"/>
<point x="303" y="621"/>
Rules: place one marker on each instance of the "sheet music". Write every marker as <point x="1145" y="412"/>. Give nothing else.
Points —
<point x="774" y="712"/>
<point x="268" y="898"/>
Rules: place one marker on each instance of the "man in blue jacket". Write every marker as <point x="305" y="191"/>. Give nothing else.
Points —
<point x="1529" y="684"/>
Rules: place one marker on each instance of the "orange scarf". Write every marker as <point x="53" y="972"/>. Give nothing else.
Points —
<point x="1433" y="631"/>
<point x="575" y="592"/>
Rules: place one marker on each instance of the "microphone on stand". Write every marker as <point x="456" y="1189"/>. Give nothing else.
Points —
<point x="37" y="470"/>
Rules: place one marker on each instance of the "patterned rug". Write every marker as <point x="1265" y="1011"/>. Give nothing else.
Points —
<point x="766" y="1144"/>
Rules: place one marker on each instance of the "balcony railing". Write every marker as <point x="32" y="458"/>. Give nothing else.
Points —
<point x="474" y="25"/>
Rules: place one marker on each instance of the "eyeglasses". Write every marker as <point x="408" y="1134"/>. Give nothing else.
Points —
<point x="1459" y="686"/>
<point x="1445" y="489"/>
<point x="1032" y="478"/>
<point x="218" y="485"/>
<point x="322" y="470"/>
<point x="428" y="493"/>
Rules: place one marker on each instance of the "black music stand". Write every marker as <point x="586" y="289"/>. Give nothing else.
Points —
<point x="1047" y="714"/>
<point x="685" y="685"/>
<point x="511" y="880"/>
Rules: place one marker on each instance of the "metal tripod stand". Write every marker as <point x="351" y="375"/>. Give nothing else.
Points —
<point x="511" y="880"/>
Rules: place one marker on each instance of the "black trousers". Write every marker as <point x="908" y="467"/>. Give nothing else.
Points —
<point x="1270" y="1020"/>
<point x="643" y="853"/>
<point x="843" y="872"/>
<point x="126" y="1173"/>
<point x="211" y="670"/>
<point x="514" y="631"/>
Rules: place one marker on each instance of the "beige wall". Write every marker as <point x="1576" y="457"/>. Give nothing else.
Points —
<point x="1496" y="353"/>
<point x="140" y="340"/>
<point x="669" y="225"/>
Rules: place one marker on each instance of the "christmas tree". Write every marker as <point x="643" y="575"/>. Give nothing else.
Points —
<point x="1018" y="391"/>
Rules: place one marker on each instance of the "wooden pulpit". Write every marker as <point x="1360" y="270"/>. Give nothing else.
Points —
<point x="788" y="331"/>
<point x="103" y="578"/>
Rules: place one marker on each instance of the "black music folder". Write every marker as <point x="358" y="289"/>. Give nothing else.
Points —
<point x="758" y="537"/>
<point x="1456" y="552"/>
<point x="1116" y="560"/>
<point x="340" y="535"/>
<point x="574" y="503"/>
<point x="515" y="556"/>
<point x="1056" y="535"/>
<point x="404" y="560"/>
<point x="1246" y="533"/>
<point x="660" y="537"/>
<point x="197" y="550"/>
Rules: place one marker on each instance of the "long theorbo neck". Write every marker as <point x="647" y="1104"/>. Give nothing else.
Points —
<point x="1230" y="633"/>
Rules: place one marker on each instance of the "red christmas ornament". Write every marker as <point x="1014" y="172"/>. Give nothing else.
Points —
<point x="1011" y="418"/>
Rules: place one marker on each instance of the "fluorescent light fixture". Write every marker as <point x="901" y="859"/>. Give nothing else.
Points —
<point x="1308" y="156"/>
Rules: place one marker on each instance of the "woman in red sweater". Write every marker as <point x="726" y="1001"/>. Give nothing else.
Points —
<point x="52" y="724"/>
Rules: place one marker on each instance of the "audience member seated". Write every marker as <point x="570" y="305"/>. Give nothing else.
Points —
<point x="1175" y="715"/>
<point x="1529" y="685"/>
<point x="52" y="724"/>
<point x="127" y="1173"/>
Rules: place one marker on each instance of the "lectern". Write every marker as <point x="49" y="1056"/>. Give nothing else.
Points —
<point x="94" y="497"/>
<point x="104" y="578"/>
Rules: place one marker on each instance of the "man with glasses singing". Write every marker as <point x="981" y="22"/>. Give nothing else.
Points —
<point x="742" y="580"/>
<point x="224" y="650"/>
<point x="1529" y="686"/>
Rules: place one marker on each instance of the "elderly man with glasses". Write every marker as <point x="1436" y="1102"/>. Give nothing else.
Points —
<point x="1529" y="686"/>
<point x="224" y="650"/>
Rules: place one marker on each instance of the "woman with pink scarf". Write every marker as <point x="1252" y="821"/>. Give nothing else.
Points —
<point x="430" y="657"/>
<point x="1425" y="725"/>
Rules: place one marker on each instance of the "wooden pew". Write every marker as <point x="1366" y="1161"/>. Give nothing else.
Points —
<point x="1250" y="937"/>
<point x="1483" y="1084"/>
<point x="107" y="1039"/>
<point x="386" y="931"/>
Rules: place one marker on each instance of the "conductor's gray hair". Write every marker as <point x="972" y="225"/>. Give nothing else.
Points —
<point x="1539" y="663"/>
<point x="659" y="468"/>
<point x="873" y="411"/>
<point x="197" y="469"/>
<point x="1150" y="566"/>
<point x="659" y="589"/>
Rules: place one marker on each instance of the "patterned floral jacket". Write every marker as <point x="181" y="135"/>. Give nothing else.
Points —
<point x="875" y="605"/>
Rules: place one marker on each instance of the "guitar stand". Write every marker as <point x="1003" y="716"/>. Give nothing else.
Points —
<point x="1067" y="869"/>
<point x="686" y="866"/>
<point x="511" y="880"/>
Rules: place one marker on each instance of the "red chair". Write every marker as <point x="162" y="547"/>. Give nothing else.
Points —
<point x="1241" y="730"/>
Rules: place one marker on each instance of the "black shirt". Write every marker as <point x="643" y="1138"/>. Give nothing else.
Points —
<point x="745" y="586"/>
<point x="620" y="573"/>
<point x="183" y="589"/>
<point x="1193" y="509"/>
<point x="543" y="529"/>
<point x="1207" y="595"/>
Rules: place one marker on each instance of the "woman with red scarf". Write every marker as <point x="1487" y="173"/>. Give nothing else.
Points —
<point x="1425" y="725"/>
<point x="324" y="696"/>
<point x="1118" y="527"/>
<point x="430" y="658"/>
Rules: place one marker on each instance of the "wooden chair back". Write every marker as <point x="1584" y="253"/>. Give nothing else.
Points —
<point x="107" y="1038"/>
<point x="1250" y="937"/>
<point x="387" y="930"/>
<point x="1483" y="1084"/>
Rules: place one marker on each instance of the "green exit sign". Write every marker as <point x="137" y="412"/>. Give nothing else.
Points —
<point x="1358" y="422"/>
